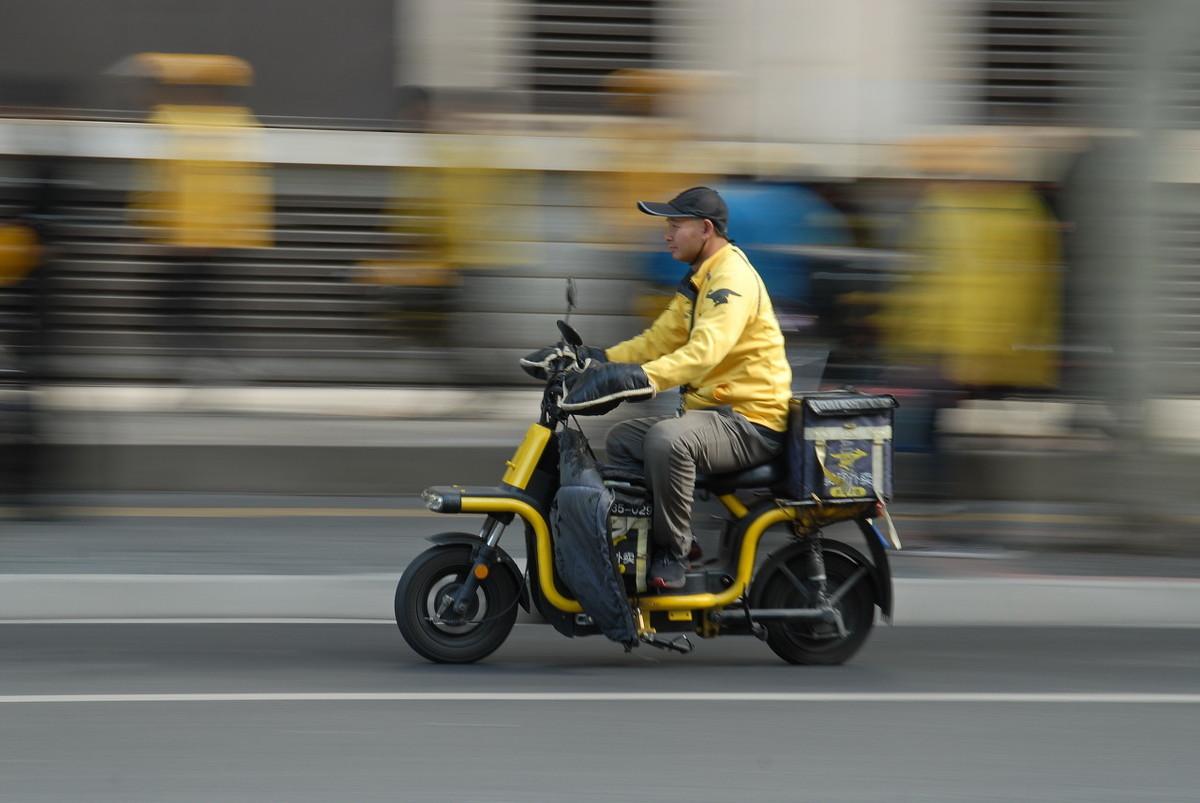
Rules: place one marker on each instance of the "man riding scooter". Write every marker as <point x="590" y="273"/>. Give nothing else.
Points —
<point x="719" y="342"/>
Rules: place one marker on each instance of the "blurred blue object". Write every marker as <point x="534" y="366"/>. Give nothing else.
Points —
<point x="762" y="218"/>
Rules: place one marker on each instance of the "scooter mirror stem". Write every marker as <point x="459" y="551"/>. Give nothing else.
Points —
<point x="571" y="298"/>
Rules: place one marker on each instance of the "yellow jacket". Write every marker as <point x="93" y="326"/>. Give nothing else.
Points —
<point x="19" y="252"/>
<point x="986" y="305"/>
<point x="203" y="195"/>
<point x="719" y="340"/>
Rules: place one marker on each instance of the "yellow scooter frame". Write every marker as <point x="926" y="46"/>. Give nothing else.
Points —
<point x="509" y="499"/>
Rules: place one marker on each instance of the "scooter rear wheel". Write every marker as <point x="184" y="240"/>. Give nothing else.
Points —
<point x="421" y="602"/>
<point x="806" y="642"/>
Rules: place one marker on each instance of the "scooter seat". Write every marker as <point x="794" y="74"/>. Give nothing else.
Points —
<point x="760" y="476"/>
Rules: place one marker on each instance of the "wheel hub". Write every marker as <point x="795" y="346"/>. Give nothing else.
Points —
<point x="439" y="603"/>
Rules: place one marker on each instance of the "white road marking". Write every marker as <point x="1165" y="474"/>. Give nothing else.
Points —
<point x="391" y="622"/>
<point x="206" y="620"/>
<point x="237" y="512"/>
<point x="249" y="620"/>
<point x="1042" y="601"/>
<point x="1136" y="698"/>
<point x="959" y="554"/>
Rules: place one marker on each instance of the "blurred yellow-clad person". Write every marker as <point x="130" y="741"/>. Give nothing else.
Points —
<point x="416" y="278"/>
<point x="464" y="212"/>
<point x="19" y="252"/>
<point x="642" y="145"/>
<point x="205" y="198"/>
<point x="984" y="302"/>
<point x="415" y="214"/>
<point x="490" y="212"/>
<point x="203" y="195"/>
<point x="206" y="192"/>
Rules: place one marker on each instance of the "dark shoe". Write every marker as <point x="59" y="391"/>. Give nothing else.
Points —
<point x="695" y="553"/>
<point x="668" y="572"/>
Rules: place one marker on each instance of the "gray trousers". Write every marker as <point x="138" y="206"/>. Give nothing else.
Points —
<point x="672" y="448"/>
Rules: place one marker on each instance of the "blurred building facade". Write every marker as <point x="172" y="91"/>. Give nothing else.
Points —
<point x="1090" y="104"/>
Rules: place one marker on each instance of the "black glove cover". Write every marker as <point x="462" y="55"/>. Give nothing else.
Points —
<point x="600" y="388"/>
<point x="537" y="363"/>
<point x="591" y="353"/>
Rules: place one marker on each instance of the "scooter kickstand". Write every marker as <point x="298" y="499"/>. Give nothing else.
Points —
<point x="679" y="644"/>
<point x="839" y="623"/>
<point x="757" y="629"/>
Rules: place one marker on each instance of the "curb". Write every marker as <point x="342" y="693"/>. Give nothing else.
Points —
<point x="1018" y="601"/>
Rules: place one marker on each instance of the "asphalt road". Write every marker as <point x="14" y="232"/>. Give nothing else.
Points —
<point x="263" y="534"/>
<point x="259" y="712"/>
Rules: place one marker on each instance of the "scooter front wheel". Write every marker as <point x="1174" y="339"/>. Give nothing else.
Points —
<point x="423" y="607"/>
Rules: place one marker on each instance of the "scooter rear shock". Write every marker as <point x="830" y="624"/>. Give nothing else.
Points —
<point x="814" y="566"/>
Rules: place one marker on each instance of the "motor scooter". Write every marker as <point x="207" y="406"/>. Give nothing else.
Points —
<point x="812" y="600"/>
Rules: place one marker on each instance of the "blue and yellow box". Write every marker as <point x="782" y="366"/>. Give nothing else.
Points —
<point x="839" y="447"/>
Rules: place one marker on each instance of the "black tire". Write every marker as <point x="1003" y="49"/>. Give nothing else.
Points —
<point x="427" y="580"/>
<point x="817" y="643"/>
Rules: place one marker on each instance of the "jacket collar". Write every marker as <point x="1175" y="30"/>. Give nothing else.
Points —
<point x="697" y="276"/>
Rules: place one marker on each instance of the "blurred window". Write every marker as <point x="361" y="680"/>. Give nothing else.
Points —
<point x="1038" y="62"/>
<point x="573" y="45"/>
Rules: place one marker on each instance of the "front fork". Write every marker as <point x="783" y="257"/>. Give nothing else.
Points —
<point x="481" y="566"/>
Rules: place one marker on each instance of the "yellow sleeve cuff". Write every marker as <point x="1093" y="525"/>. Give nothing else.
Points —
<point x="654" y="382"/>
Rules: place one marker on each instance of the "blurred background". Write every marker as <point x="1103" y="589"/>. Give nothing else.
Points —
<point x="295" y="225"/>
<point x="266" y="269"/>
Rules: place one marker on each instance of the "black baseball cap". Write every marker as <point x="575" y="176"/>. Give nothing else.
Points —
<point x="701" y="202"/>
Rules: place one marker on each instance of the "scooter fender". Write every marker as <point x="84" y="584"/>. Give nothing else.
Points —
<point x="881" y="572"/>
<point x="883" y="566"/>
<point x="502" y="558"/>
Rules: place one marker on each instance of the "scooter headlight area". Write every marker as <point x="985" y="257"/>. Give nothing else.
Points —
<point x="433" y="500"/>
<point x="442" y="500"/>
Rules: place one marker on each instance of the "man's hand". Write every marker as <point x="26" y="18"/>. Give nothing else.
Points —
<point x="601" y="387"/>
<point x="591" y="354"/>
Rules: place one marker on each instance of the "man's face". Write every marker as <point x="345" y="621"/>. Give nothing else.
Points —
<point x="685" y="237"/>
